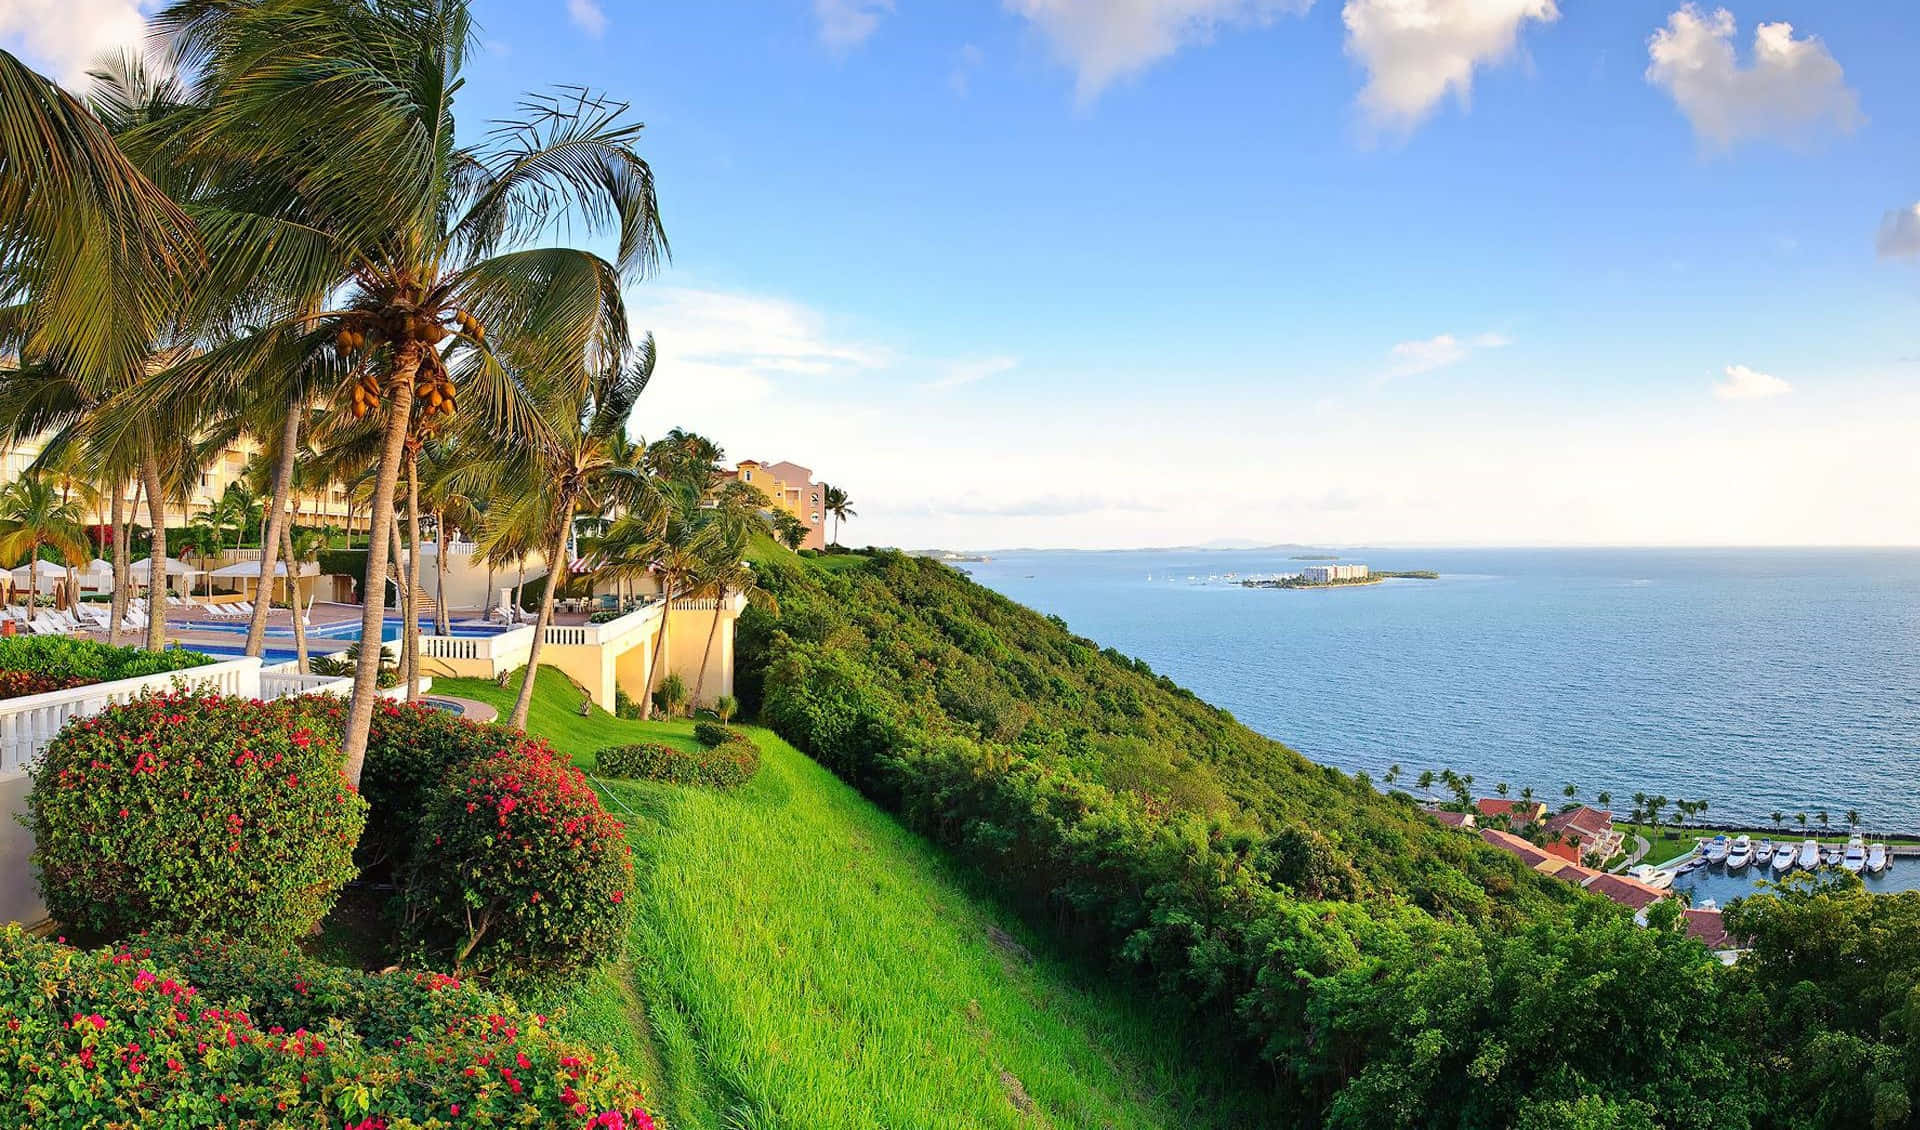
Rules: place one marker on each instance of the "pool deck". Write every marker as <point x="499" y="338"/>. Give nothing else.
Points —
<point x="190" y="626"/>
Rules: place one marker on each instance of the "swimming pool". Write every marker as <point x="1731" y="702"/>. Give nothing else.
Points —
<point x="347" y="630"/>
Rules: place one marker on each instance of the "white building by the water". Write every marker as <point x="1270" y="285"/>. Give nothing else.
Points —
<point x="1325" y="574"/>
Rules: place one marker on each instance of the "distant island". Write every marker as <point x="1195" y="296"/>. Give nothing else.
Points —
<point x="1366" y="577"/>
<point x="1314" y="557"/>
<point x="950" y="556"/>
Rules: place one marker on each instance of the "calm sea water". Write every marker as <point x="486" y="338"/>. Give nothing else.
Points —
<point x="1755" y="679"/>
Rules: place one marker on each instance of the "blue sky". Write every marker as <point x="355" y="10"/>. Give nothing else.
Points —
<point x="1071" y="272"/>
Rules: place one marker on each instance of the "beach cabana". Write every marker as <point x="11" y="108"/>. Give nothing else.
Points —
<point x="141" y="571"/>
<point x="50" y="575"/>
<point x="248" y="572"/>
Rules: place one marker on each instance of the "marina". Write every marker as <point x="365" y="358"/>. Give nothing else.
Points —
<point x="1719" y="870"/>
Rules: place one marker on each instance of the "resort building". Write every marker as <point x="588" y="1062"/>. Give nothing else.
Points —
<point x="1327" y="574"/>
<point x="1528" y="854"/>
<point x="789" y="487"/>
<point x="1452" y="819"/>
<point x="328" y="507"/>
<point x="1520" y="814"/>
<point x="1591" y="830"/>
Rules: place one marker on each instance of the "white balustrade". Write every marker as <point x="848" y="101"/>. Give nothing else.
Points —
<point x="29" y="722"/>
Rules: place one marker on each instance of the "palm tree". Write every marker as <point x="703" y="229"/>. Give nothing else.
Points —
<point x="417" y="227"/>
<point x="33" y="517"/>
<point x="729" y="576"/>
<point x="575" y="471"/>
<point x="1779" y="818"/>
<point x="1392" y="774"/>
<point x="838" y="505"/>
<point x="1570" y="791"/>
<point x="1426" y="780"/>
<point x="1822" y="817"/>
<point x="791" y="531"/>
<point x="1500" y="788"/>
<point x="1526" y="797"/>
<point x="1800" y="818"/>
<point x="1853" y="818"/>
<point x="1605" y="798"/>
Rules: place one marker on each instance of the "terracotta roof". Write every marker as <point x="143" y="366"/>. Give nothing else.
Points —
<point x="1508" y="842"/>
<point x="1519" y="810"/>
<point x="1451" y="819"/>
<point x="1706" y="927"/>
<point x="1576" y="874"/>
<point x="1566" y="851"/>
<point x="1587" y="823"/>
<point x="1627" y="892"/>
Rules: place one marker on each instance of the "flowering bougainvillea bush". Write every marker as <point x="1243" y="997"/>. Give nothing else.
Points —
<point x="519" y="872"/>
<point x="725" y="765"/>
<point x="108" y="1038"/>
<point x="409" y="750"/>
<point x="60" y="662"/>
<point x="179" y="813"/>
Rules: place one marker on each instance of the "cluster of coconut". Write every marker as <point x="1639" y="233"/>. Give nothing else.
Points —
<point x="431" y="387"/>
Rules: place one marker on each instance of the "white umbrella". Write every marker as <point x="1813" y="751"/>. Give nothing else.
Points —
<point x="140" y="569"/>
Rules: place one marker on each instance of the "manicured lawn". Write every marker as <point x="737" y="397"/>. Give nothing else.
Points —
<point x="799" y="959"/>
<point x="555" y="716"/>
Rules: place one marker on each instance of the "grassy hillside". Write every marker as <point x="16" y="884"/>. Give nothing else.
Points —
<point x="801" y="960"/>
<point x="1374" y="968"/>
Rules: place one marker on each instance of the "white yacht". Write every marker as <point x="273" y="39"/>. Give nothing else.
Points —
<point x="1740" y="854"/>
<point x="1783" y="857"/>
<point x="1809" y="854"/>
<point x="1855" y="857"/>
<point x="1877" y="858"/>
<point x="1717" y="849"/>
<point x="1763" y="854"/>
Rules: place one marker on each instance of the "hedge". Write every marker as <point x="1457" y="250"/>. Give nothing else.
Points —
<point x="175" y="812"/>
<point x="723" y="766"/>
<point x="110" y="1038"/>
<point x="409" y="751"/>
<point x="76" y="662"/>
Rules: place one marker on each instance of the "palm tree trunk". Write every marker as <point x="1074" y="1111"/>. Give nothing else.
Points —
<point x="403" y="596"/>
<point x="524" y="701"/>
<point x="440" y="572"/>
<point x="520" y="589"/>
<point x="157" y="559"/>
<point x="275" y="525"/>
<point x="713" y="629"/>
<point x="293" y="600"/>
<point x="410" y="631"/>
<point x="33" y="579"/>
<point x="366" y="676"/>
<point x="659" y="646"/>
<point x="119" y="606"/>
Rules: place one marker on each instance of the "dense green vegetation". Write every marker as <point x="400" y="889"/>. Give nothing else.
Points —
<point x="37" y="664"/>
<point x="1376" y="969"/>
<point x="799" y="959"/>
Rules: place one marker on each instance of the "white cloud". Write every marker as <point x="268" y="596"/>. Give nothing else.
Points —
<point x="1899" y="236"/>
<point x="1791" y="90"/>
<point x="1409" y="358"/>
<point x="1743" y="383"/>
<point x="65" y="37"/>
<point x="1105" y="40"/>
<point x="846" y="24"/>
<point x="965" y="62"/>
<point x="957" y="373"/>
<point x="588" y="16"/>
<point x="1417" y="51"/>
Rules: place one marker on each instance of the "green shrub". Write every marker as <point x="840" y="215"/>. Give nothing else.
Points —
<point x="78" y="662"/>
<point x="518" y="871"/>
<point x="20" y="684"/>
<point x="725" y="707"/>
<point x="107" y="1038"/>
<point x="624" y="706"/>
<point x="712" y="734"/>
<point x="410" y="748"/>
<point x="723" y="766"/>
<point x="178" y="813"/>
<point x="671" y="695"/>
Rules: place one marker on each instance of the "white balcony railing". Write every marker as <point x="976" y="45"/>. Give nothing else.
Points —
<point x="28" y="723"/>
<point x="600" y="635"/>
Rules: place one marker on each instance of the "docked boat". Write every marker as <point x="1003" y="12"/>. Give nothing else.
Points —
<point x="1854" y="859"/>
<point x="1830" y="855"/>
<point x="1740" y="854"/>
<point x="1763" y="854"/>
<point x="1717" y="849"/>
<point x="1877" y="858"/>
<point x="1652" y="876"/>
<point x="1783" y="857"/>
<point x="1809" y="854"/>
